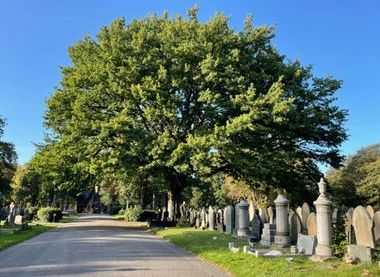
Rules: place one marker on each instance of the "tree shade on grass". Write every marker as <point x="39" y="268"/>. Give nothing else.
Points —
<point x="216" y="251"/>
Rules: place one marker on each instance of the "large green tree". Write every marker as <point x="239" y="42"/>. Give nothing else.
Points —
<point x="357" y="182"/>
<point x="182" y="100"/>
<point x="8" y="159"/>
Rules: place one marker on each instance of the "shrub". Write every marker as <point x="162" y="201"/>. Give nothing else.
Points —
<point x="114" y="209"/>
<point x="132" y="214"/>
<point x="182" y="222"/>
<point x="147" y="215"/>
<point x="31" y="213"/>
<point x="47" y="214"/>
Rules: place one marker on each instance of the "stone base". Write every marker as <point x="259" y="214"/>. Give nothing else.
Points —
<point x="243" y="233"/>
<point x="323" y="251"/>
<point x="282" y="240"/>
<point x="362" y="253"/>
<point x="318" y="258"/>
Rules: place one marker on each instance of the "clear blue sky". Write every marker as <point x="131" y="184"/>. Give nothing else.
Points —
<point x="341" y="38"/>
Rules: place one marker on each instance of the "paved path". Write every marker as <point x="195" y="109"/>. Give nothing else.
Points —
<point x="100" y="246"/>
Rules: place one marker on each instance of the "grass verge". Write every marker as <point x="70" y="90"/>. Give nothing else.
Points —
<point x="212" y="246"/>
<point x="36" y="227"/>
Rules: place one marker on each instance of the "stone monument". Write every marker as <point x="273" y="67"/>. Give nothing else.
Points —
<point x="282" y="221"/>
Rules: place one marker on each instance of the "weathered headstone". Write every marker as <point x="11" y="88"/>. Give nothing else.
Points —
<point x="256" y="225"/>
<point x="12" y="213"/>
<point x="267" y="237"/>
<point x="219" y="221"/>
<point x="370" y="211"/>
<point x="376" y="228"/>
<point x="198" y="219"/>
<point x="306" y="244"/>
<point x="264" y="215"/>
<point x="236" y="218"/>
<point x="19" y="220"/>
<point x="282" y="221"/>
<point x="211" y="218"/>
<point x="295" y="227"/>
<point x="363" y="224"/>
<point x="361" y="253"/>
<point x="271" y="214"/>
<point x="251" y="210"/>
<point x="203" y="218"/>
<point x="183" y="210"/>
<point x="349" y="228"/>
<point x="229" y="219"/>
<point x="305" y="212"/>
<point x="243" y="219"/>
<point x="334" y="216"/>
<point x="311" y="224"/>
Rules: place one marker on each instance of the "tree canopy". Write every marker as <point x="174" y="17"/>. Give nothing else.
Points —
<point x="178" y="100"/>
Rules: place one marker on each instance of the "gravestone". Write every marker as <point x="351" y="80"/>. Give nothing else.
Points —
<point x="198" y="219"/>
<point x="282" y="220"/>
<point x="12" y="213"/>
<point x="191" y="217"/>
<point x="370" y="211"/>
<point x="362" y="253"/>
<point x="19" y="220"/>
<point x="334" y="216"/>
<point x="267" y="237"/>
<point x="376" y="229"/>
<point x="211" y="218"/>
<point x="236" y="218"/>
<point x="183" y="210"/>
<point x="219" y="221"/>
<point x="306" y="244"/>
<point x="229" y="219"/>
<point x="311" y="224"/>
<point x="305" y="212"/>
<point x="251" y="210"/>
<point x="295" y="227"/>
<point x="271" y="214"/>
<point x="349" y="228"/>
<point x="203" y="218"/>
<point x="256" y="225"/>
<point x="243" y="219"/>
<point x="264" y="215"/>
<point x="363" y="223"/>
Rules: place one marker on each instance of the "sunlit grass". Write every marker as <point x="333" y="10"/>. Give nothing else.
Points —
<point x="216" y="251"/>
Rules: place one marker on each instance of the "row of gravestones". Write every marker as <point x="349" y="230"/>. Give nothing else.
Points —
<point x="14" y="216"/>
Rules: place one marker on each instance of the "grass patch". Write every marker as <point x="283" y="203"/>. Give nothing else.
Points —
<point x="216" y="251"/>
<point x="10" y="237"/>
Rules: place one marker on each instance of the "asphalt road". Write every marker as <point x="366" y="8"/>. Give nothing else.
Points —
<point x="100" y="246"/>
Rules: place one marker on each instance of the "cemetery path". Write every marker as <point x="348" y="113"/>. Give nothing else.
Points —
<point x="100" y="246"/>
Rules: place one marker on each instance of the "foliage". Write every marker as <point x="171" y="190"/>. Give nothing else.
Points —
<point x="132" y="213"/>
<point x="182" y="222"/>
<point x="339" y="240"/>
<point x="8" y="159"/>
<point x="178" y="100"/>
<point x="31" y="213"/>
<point x="49" y="214"/>
<point x="216" y="251"/>
<point x="147" y="215"/>
<point x="358" y="181"/>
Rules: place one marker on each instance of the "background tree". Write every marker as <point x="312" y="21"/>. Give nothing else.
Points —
<point x="181" y="100"/>
<point x="357" y="182"/>
<point x="8" y="159"/>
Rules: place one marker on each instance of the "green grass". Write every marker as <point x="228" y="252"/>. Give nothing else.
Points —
<point x="12" y="236"/>
<point x="216" y="251"/>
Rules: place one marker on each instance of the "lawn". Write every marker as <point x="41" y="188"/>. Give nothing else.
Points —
<point x="212" y="246"/>
<point x="11" y="237"/>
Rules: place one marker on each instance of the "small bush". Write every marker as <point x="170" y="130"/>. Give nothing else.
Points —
<point x="114" y="209"/>
<point x="31" y="213"/>
<point x="182" y="222"/>
<point x="147" y="215"/>
<point x="47" y="214"/>
<point x="132" y="214"/>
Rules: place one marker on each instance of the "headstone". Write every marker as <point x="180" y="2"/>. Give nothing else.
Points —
<point x="19" y="220"/>
<point x="306" y="244"/>
<point x="264" y="215"/>
<point x="349" y="228"/>
<point x="282" y="221"/>
<point x="191" y="217"/>
<point x="229" y="219"/>
<point x="183" y="210"/>
<point x="305" y="212"/>
<point x="323" y="250"/>
<point x="203" y="218"/>
<point x="376" y="229"/>
<point x="334" y="216"/>
<point x="256" y="226"/>
<point x="295" y="227"/>
<point x="243" y="219"/>
<point x="236" y="218"/>
<point x="311" y="224"/>
<point x="363" y="224"/>
<point x="271" y="214"/>
<point x="198" y="219"/>
<point x="370" y="211"/>
<point x="267" y="237"/>
<point x="219" y="221"/>
<point x="211" y="218"/>
<point x="361" y="253"/>
<point x="251" y="210"/>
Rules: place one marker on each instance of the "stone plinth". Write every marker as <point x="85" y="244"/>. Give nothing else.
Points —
<point x="269" y="231"/>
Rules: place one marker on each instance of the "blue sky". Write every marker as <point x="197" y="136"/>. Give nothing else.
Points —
<point x="341" y="38"/>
